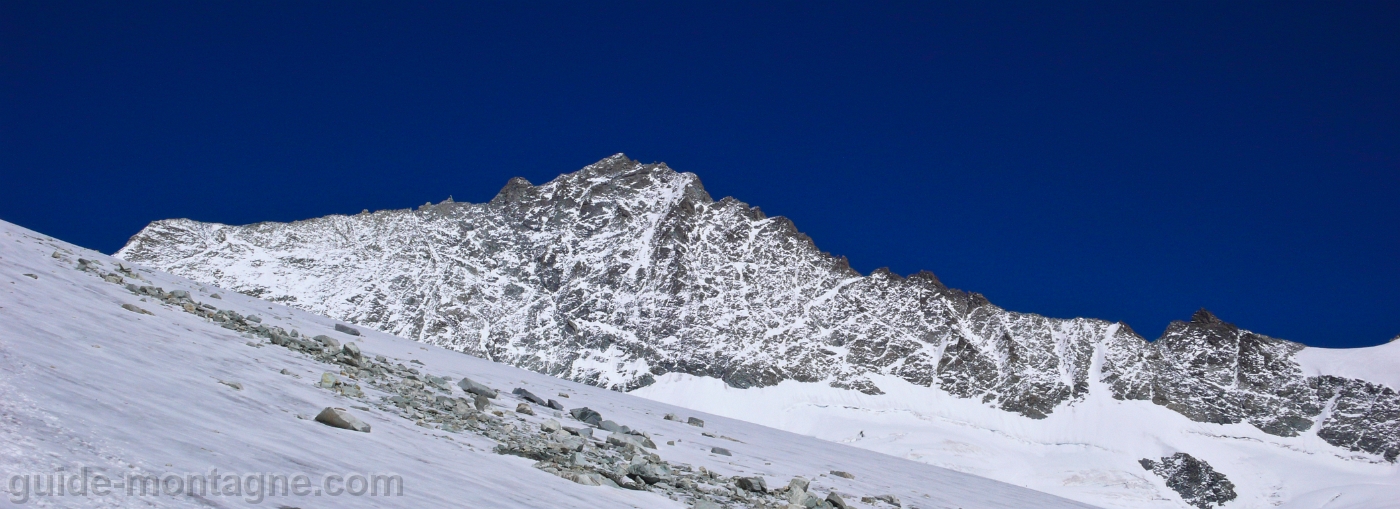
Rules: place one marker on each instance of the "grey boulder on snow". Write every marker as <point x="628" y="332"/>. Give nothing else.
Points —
<point x="340" y="418"/>
<point x="475" y="388"/>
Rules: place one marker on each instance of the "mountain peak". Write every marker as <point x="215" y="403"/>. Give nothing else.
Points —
<point x="514" y="190"/>
<point x="611" y="165"/>
<point x="1205" y="317"/>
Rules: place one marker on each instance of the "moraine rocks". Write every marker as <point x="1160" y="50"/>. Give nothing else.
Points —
<point x="624" y="271"/>
<point x="622" y="461"/>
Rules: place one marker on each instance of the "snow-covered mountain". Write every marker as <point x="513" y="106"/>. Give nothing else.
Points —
<point x="112" y="375"/>
<point x="629" y="276"/>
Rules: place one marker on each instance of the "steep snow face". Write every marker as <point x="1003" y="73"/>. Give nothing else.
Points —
<point x="622" y="272"/>
<point x="154" y="388"/>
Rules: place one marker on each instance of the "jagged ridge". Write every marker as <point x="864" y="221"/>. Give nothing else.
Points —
<point x="622" y="271"/>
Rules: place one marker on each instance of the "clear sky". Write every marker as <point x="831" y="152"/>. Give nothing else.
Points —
<point x="1128" y="161"/>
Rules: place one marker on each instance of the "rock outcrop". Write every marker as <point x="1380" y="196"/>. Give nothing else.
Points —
<point x="1197" y="483"/>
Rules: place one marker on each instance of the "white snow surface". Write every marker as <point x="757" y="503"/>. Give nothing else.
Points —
<point x="86" y="383"/>
<point x="1086" y="451"/>
<point x="1379" y="364"/>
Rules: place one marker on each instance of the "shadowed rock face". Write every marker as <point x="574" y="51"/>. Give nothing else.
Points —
<point x="623" y="271"/>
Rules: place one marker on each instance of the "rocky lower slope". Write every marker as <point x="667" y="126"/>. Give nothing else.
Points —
<point x="622" y="271"/>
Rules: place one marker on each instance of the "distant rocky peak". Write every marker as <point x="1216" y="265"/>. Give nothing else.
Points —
<point x="1203" y="316"/>
<point x="515" y="190"/>
<point x="612" y="165"/>
<point x="623" y="271"/>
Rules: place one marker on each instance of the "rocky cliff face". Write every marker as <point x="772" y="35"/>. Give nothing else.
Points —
<point x="622" y="271"/>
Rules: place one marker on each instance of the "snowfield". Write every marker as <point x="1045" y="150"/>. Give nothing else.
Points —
<point x="86" y="383"/>
<point x="1086" y="451"/>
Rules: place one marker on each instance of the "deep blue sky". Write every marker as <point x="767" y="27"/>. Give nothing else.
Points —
<point x="1130" y="161"/>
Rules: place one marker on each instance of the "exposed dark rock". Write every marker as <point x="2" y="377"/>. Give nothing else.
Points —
<point x="754" y="484"/>
<point x="475" y="388"/>
<point x="587" y="415"/>
<point x="529" y="396"/>
<point x="1193" y="479"/>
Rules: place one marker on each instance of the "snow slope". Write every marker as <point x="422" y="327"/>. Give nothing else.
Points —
<point x="87" y="383"/>
<point x="1087" y="451"/>
<point x="1380" y="364"/>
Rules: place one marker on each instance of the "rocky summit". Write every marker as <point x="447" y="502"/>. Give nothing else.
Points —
<point x="623" y="271"/>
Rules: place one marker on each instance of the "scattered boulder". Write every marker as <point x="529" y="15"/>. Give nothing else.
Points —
<point x="565" y="395"/>
<point x="529" y="396"/>
<point x="436" y="381"/>
<point x="328" y="342"/>
<point x="706" y="504"/>
<point x="351" y="391"/>
<point x="754" y="484"/>
<point x="717" y="450"/>
<point x="611" y="426"/>
<point x="132" y="308"/>
<point x="671" y="417"/>
<point x="236" y="386"/>
<point x="253" y="318"/>
<point x="550" y="426"/>
<point x="340" y="418"/>
<point x="836" y="501"/>
<point x="480" y="402"/>
<point x="846" y="475"/>
<point x="215" y="296"/>
<point x="524" y="409"/>
<point x="584" y="478"/>
<point x="583" y="432"/>
<point x="650" y="473"/>
<point x="475" y="388"/>
<point x="625" y="440"/>
<point x="340" y="327"/>
<point x="32" y="276"/>
<point x="555" y="405"/>
<point x="888" y="499"/>
<point x="693" y="421"/>
<point x="352" y="350"/>
<point x="587" y="415"/>
<point x="799" y="484"/>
